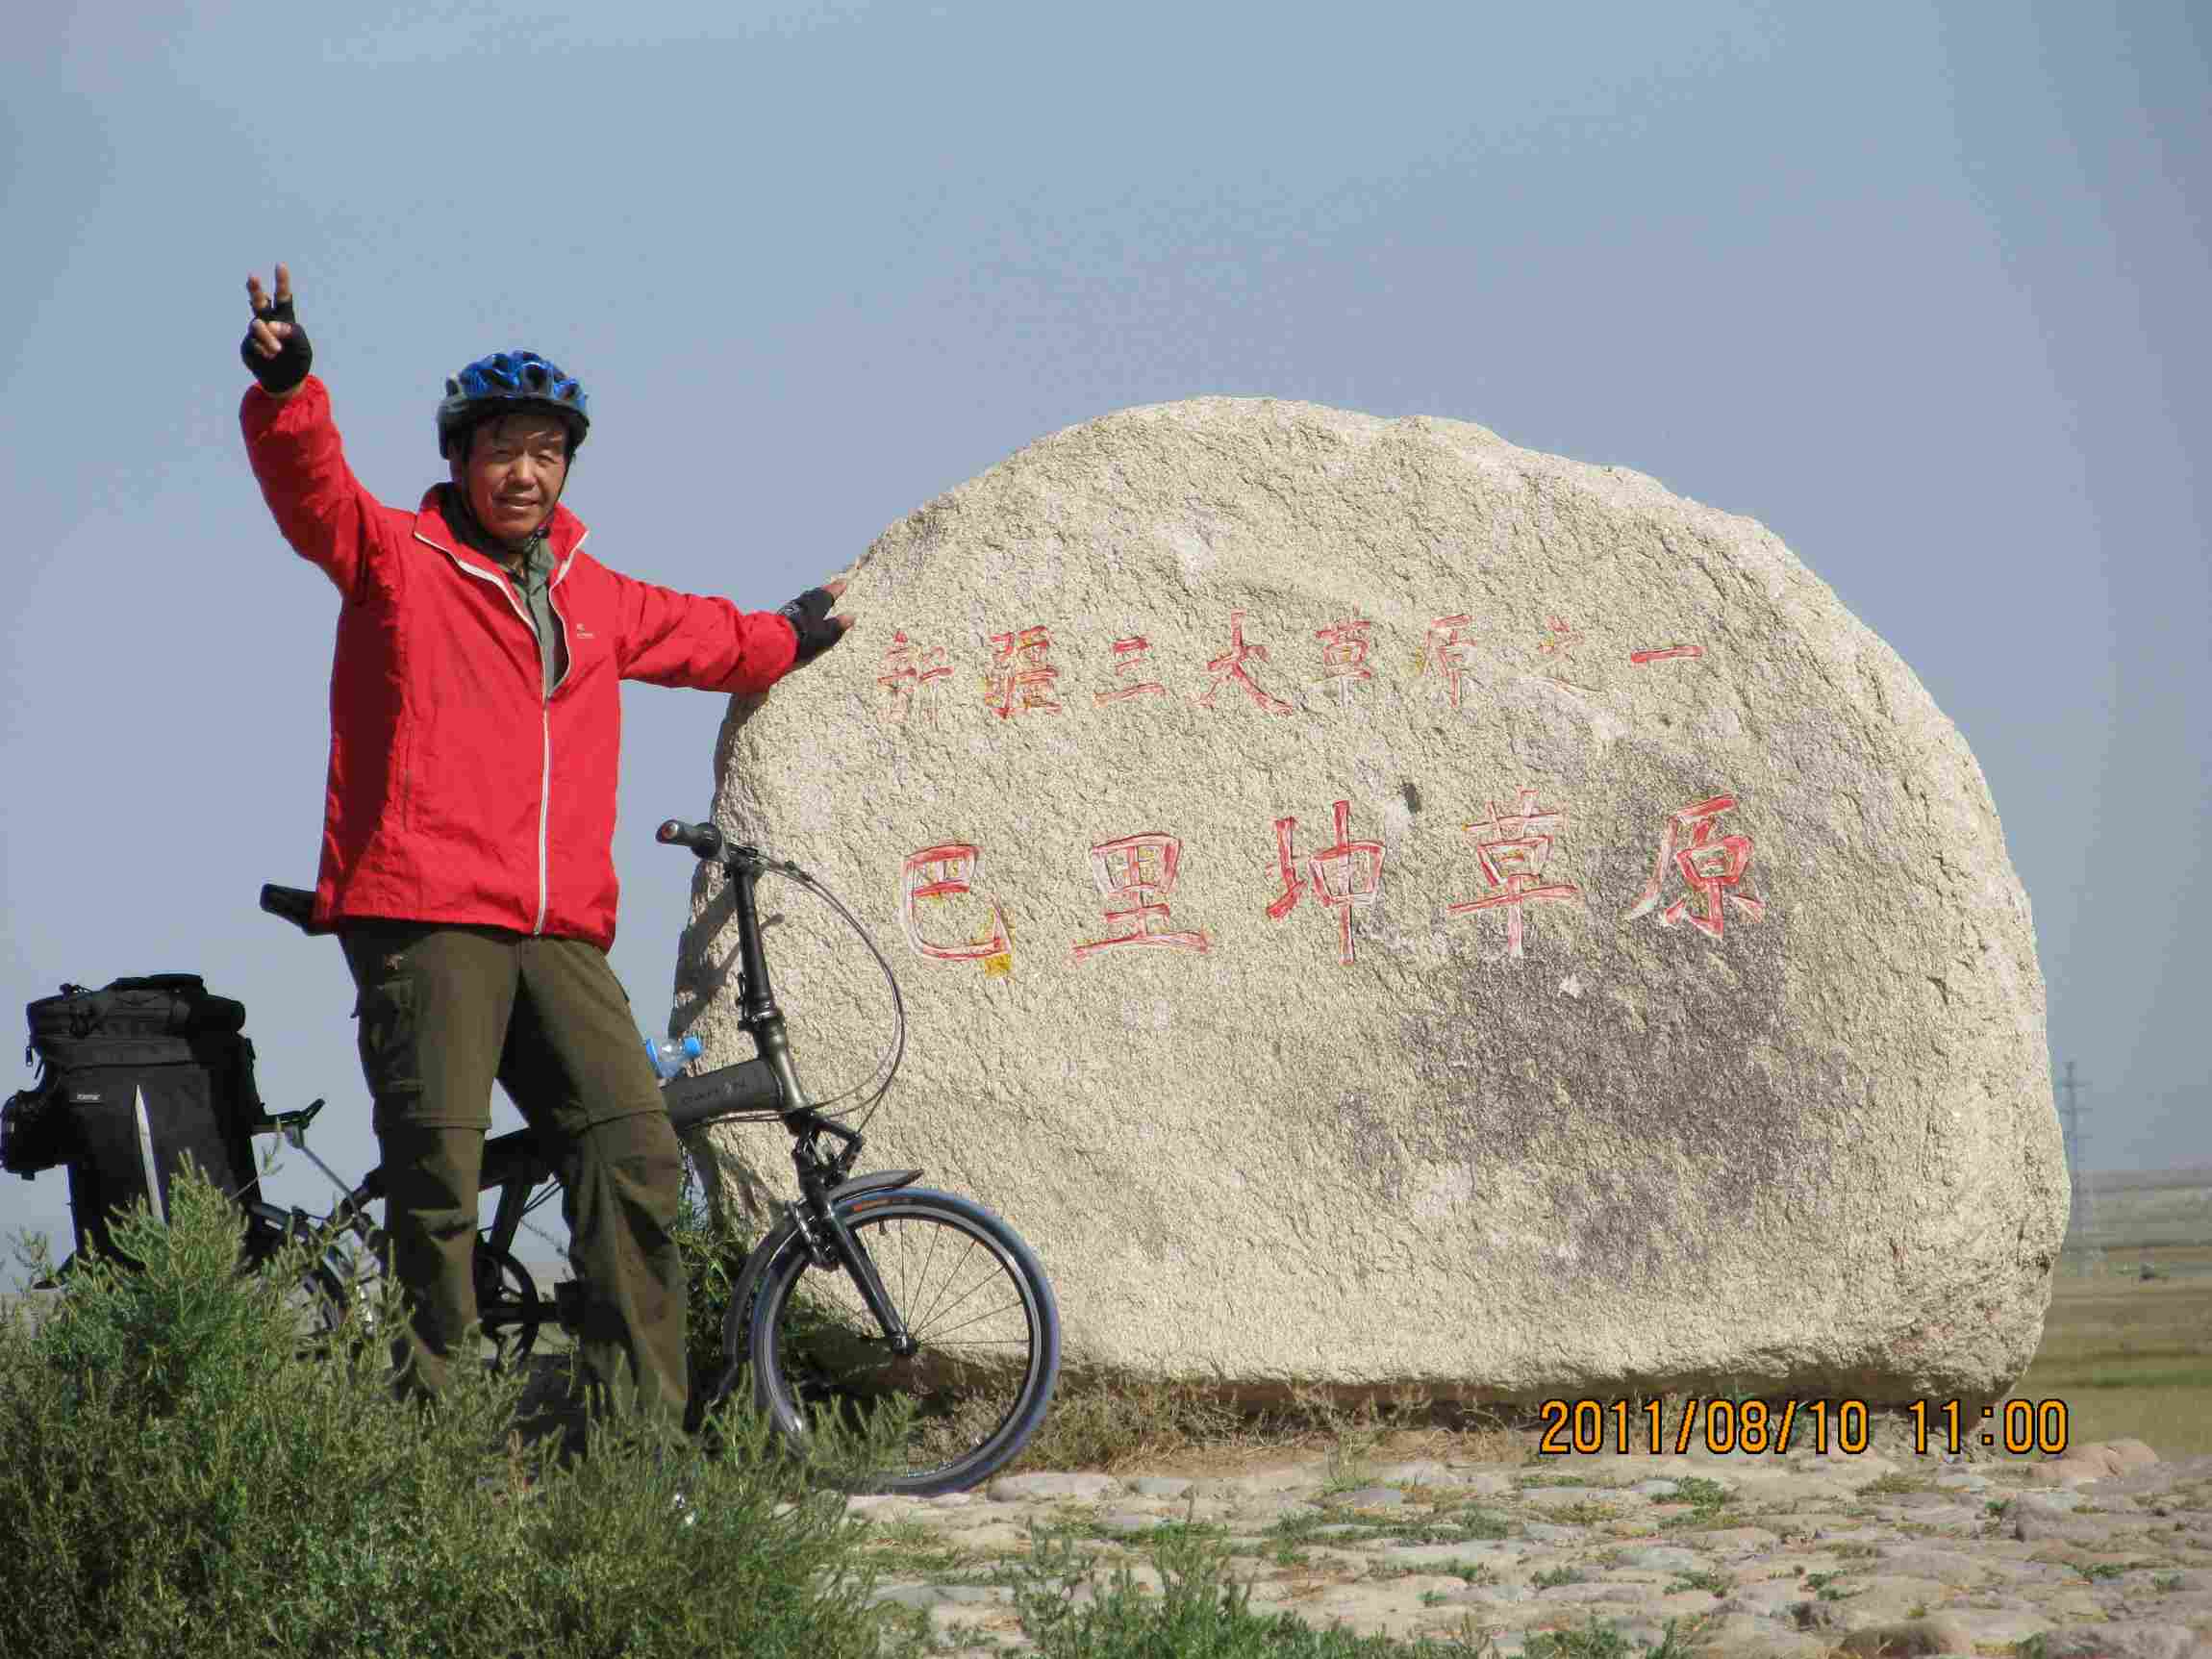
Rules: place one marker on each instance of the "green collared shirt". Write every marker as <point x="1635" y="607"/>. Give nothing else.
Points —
<point x="534" y="582"/>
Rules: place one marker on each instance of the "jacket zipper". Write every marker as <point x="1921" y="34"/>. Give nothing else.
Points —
<point x="544" y="707"/>
<point x="545" y="714"/>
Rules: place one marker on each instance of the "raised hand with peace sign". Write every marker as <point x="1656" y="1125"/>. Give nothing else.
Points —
<point x="275" y="348"/>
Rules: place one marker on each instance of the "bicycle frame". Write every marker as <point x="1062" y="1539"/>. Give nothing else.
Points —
<point x="515" y="1164"/>
<point x="822" y="1180"/>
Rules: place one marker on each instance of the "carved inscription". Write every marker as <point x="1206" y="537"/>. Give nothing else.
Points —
<point x="1136" y="874"/>
<point x="1344" y="877"/>
<point x="1512" y="859"/>
<point x="1230" y="666"/>
<point x="1713" y="869"/>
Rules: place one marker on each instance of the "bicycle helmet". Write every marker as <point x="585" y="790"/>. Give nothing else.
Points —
<point x="505" y="382"/>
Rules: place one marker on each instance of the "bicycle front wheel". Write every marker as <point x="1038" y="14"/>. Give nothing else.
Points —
<point x="977" y="1305"/>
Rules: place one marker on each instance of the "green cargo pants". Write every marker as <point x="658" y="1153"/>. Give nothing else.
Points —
<point x="444" y="1011"/>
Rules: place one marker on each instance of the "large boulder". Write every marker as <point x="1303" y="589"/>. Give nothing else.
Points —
<point x="1377" y="906"/>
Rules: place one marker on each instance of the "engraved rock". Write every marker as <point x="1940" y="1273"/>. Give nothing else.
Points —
<point x="1376" y="906"/>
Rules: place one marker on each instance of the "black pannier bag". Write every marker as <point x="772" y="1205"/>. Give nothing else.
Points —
<point x="133" y="1078"/>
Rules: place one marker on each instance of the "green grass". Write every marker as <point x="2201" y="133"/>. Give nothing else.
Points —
<point x="1717" y="1583"/>
<point x="1596" y="1641"/>
<point x="2131" y="1357"/>
<point x="1199" y="1612"/>
<point x="188" y="1476"/>
<point x="1887" y="1485"/>
<point x="187" y="1480"/>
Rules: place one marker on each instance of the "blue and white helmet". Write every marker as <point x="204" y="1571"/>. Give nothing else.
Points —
<point x="507" y="381"/>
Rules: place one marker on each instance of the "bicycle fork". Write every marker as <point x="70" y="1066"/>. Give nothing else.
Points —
<point x="833" y="1246"/>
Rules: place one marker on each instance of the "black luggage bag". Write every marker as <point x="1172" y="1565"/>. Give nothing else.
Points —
<point x="133" y="1078"/>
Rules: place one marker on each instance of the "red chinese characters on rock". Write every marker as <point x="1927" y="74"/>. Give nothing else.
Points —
<point x="1448" y="652"/>
<point x="1513" y="863"/>
<point x="1345" y="655"/>
<point x="1021" y="680"/>
<point x="1129" y="662"/>
<point x="907" y="672"/>
<point x="949" y="870"/>
<point x="1713" y="869"/>
<point x="1139" y="871"/>
<point x="1342" y="878"/>
<point x="1230" y="666"/>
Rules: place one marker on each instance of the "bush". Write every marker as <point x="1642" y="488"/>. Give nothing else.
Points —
<point x="1199" y="1612"/>
<point x="182" y="1476"/>
<point x="713" y="1255"/>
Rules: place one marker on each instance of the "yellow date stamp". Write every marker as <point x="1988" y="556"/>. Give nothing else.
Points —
<point x="1757" y="1427"/>
<point x="1590" y="1428"/>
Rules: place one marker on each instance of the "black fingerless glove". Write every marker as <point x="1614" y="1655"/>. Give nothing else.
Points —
<point x="289" y="368"/>
<point x="810" y="620"/>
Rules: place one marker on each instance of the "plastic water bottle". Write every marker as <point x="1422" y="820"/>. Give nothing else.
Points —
<point x="669" y="1055"/>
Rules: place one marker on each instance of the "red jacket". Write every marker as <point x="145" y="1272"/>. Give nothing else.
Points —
<point x="459" y="790"/>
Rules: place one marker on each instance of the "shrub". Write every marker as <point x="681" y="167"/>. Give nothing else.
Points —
<point x="1199" y="1613"/>
<point x="182" y="1477"/>
<point x="714" y="1254"/>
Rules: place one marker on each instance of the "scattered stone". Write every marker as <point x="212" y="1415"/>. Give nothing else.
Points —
<point x="2120" y="1641"/>
<point x="1159" y="1486"/>
<point x="1908" y="1640"/>
<point x="1543" y="1497"/>
<point x="1370" y="1497"/>
<point x="1542" y="1533"/>
<point x="1772" y="1599"/>
<point x="1880" y="1589"/>
<point x="1425" y="1472"/>
<point x="1946" y="1567"/>
<point x="1663" y="1557"/>
<point x="1018" y="1488"/>
<point x="1601" y="1590"/>
<point x="1732" y="1540"/>
<point x="1126" y="1521"/>
<point x="2034" y="1522"/>
<point x="2000" y="1626"/>
<point x="911" y="1595"/>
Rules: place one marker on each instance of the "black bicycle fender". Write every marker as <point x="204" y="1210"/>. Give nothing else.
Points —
<point x="879" y="1180"/>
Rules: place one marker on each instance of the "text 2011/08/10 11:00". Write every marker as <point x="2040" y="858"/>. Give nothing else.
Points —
<point x="1590" y="1428"/>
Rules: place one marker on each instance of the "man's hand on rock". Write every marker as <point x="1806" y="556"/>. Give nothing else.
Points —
<point x="809" y="619"/>
<point x="275" y="348"/>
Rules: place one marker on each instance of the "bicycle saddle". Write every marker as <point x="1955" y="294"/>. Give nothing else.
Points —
<point x="295" y="904"/>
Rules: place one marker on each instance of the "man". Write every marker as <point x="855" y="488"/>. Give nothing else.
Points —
<point x="468" y="823"/>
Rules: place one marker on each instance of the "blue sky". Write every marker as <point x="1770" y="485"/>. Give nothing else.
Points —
<point x="1920" y="288"/>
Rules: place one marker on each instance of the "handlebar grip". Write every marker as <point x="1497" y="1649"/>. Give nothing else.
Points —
<point x="705" y="840"/>
<point x="749" y="1085"/>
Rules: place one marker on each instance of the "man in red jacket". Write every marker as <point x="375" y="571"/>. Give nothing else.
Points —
<point x="468" y="823"/>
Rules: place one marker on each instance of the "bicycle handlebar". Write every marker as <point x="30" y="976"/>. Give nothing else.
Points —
<point x="767" y="1081"/>
<point x="705" y="840"/>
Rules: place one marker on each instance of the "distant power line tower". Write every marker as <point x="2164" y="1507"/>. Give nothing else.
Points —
<point x="2081" y="1213"/>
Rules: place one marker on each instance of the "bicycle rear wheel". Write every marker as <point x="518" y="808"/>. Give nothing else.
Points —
<point x="973" y="1297"/>
<point x="333" y="1295"/>
<point x="508" y="1310"/>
